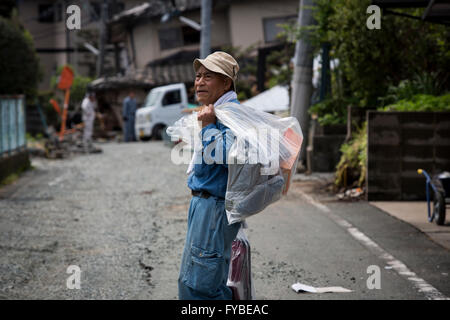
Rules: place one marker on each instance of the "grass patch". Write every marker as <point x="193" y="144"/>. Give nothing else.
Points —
<point x="11" y="178"/>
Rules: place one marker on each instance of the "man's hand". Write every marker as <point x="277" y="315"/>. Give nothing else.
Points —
<point x="206" y="115"/>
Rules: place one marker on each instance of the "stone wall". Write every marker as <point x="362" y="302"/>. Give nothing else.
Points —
<point x="399" y="143"/>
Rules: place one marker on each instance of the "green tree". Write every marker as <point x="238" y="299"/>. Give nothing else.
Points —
<point x="373" y="60"/>
<point x="19" y="64"/>
<point x="278" y="66"/>
<point x="246" y="82"/>
<point x="377" y="67"/>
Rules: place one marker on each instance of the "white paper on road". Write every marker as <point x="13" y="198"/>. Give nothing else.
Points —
<point x="332" y="289"/>
<point x="303" y="287"/>
<point x="298" y="287"/>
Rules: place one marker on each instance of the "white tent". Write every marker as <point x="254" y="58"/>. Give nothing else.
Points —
<point x="274" y="99"/>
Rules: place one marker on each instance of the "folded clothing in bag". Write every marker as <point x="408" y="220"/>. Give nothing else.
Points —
<point x="249" y="192"/>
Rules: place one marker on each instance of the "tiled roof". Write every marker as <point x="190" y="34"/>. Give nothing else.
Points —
<point x="155" y="8"/>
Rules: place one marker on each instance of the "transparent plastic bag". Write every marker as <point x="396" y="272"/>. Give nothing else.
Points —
<point x="275" y="139"/>
<point x="261" y="160"/>
<point x="240" y="271"/>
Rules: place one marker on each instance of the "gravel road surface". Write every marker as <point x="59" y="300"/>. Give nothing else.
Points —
<point x="121" y="216"/>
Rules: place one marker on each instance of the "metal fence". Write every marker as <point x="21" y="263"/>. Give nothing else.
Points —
<point x="12" y="124"/>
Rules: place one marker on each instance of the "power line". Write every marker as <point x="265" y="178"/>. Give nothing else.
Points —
<point x="56" y="32"/>
<point x="84" y="22"/>
<point x="92" y="16"/>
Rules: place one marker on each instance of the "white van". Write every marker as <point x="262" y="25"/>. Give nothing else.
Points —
<point x="162" y="108"/>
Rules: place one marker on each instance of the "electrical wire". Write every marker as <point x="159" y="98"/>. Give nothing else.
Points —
<point x="48" y="32"/>
<point x="43" y="35"/>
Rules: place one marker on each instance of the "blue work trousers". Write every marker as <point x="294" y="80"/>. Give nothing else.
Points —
<point x="207" y="251"/>
<point x="129" y="134"/>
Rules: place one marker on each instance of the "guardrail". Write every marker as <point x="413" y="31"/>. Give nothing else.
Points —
<point x="12" y="124"/>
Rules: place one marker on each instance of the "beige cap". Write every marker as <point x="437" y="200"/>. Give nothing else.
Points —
<point x="220" y="62"/>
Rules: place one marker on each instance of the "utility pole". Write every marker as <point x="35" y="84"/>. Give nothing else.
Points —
<point x="205" y="34"/>
<point x="68" y="60"/>
<point x="303" y="71"/>
<point x="102" y="39"/>
<point x="325" y="78"/>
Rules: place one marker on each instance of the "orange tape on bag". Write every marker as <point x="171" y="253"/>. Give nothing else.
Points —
<point x="295" y="141"/>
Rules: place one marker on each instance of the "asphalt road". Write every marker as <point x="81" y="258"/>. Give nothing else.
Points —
<point x="121" y="216"/>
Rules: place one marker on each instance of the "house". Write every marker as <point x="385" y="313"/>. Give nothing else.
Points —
<point x="158" y="46"/>
<point x="148" y="36"/>
<point x="55" y="44"/>
<point x="148" y="43"/>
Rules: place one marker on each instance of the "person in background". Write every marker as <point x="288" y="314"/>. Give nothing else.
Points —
<point x="88" y="107"/>
<point x="128" y="115"/>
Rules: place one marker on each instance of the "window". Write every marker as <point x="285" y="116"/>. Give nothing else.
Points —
<point x="272" y="28"/>
<point x="177" y="37"/>
<point x="49" y="13"/>
<point x="95" y="10"/>
<point x="152" y="98"/>
<point x="58" y="12"/>
<point x="172" y="97"/>
<point x="190" y="35"/>
<point x="170" y="38"/>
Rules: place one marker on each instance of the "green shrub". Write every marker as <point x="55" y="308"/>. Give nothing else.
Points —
<point x="278" y="69"/>
<point x="352" y="167"/>
<point x="331" y="111"/>
<point x="426" y="83"/>
<point x="421" y="102"/>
